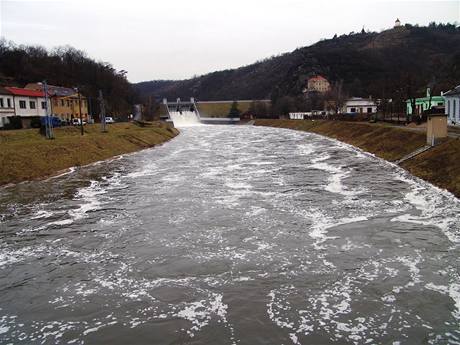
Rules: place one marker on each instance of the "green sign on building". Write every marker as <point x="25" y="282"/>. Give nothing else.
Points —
<point x="423" y="103"/>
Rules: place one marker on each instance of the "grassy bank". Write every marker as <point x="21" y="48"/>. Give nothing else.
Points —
<point x="26" y="155"/>
<point x="440" y="165"/>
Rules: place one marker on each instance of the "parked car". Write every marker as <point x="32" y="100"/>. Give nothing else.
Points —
<point x="109" y="119"/>
<point x="53" y="120"/>
<point x="76" y="121"/>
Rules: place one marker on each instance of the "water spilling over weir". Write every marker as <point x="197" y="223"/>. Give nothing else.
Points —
<point x="231" y="235"/>
<point x="183" y="113"/>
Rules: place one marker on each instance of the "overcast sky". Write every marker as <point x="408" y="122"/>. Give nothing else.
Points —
<point x="175" y="39"/>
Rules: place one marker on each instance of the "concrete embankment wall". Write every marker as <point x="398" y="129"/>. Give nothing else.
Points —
<point x="439" y="166"/>
<point x="27" y="155"/>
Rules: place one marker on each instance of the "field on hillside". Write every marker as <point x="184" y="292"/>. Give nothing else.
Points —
<point x="220" y="109"/>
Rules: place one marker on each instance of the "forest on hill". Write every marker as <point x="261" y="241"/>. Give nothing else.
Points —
<point x="395" y="64"/>
<point x="69" y="67"/>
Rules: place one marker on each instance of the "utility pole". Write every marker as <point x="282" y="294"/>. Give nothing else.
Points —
<point x="48" y="123"/>
<point x="102" y="113"/>
<point x="81" y="115"/>
<point x="90" y="109"/>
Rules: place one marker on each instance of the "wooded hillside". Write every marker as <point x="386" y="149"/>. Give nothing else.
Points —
<point x="397" y="63"/>
<point x="69" y="67"/>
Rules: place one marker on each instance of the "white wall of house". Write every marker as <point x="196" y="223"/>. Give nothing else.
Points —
<point x="6" y="108"/>
<point x="297" y="116"/>
<point x="452" y="106"/>
<point x="29" y="106"/>
<point x="365" y="106"/>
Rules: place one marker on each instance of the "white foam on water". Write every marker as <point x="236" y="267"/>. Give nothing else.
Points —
<point x="147" y="170"/>
<point x="320" y="158"/>
<point x="452" y="290"/>
<point x="89" y="201"/>
<point x="41" y="214"/>
<point x="305" y="149"/>
<point x="184" y="118"/>
<point x="338" y="174"/>
<point x="321" y="222"/>
<point x="66" y="172"/>
<point x="13" y="256"/>
<point x="437" y="207"/>
<point x="238" y="184"/>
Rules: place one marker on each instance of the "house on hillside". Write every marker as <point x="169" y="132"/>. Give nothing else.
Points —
<point x="452" y="105"/>
<point x="28" y="104"/>
<point x="317" y="84"/>
<point x="299" y="115"/>
<point x="65" y="102"/>
<point x="423" y="103"/>
<point x="357" y="105"/>
<point x="6" y="106"/>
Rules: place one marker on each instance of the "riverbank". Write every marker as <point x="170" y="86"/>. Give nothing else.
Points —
<point x="439" y="166"/>
<point x="27" y="155"/>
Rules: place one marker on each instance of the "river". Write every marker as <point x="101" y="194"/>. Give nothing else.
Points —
<point x="231" y="235"/>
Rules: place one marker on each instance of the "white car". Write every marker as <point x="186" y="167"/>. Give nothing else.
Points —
<point x="109" y="119"/>
<point x="76" y="121"/>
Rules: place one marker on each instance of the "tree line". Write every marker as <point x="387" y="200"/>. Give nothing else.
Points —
<point x="396" y="64"/>
<point x="68" y="67"/>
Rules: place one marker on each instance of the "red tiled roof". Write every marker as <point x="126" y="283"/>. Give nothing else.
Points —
<point x="318" y="77"/>
<point x="25" y="92"/>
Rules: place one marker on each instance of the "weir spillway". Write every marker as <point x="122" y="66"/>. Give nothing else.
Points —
<point x="183" y="113"/>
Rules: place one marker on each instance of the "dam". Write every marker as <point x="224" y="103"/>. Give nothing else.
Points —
<point x="231" y="235"/>
<point x="183" y="113"/>
<point x="186" y="113"/>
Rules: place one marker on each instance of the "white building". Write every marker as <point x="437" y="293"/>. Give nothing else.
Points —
<point x="6" y="106"/>
<point x="299" y="116"/>
<point x="28" y="104"/>
<point x="452" y="104"/>
<point x="357" y="105"/>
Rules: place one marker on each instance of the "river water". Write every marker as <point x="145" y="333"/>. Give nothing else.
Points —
<point x="231" y="235"/>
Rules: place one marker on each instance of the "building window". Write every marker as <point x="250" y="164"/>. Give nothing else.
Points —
<point x="369" y="110"/>
<point x="43" y="105"/>
<point x="68" y="103"/>
<point x="22" y="104"/>
<point x="8" y="101"/>
<point x="62" y="102"/>
<point x="32" y="104"/>
<point x="353" y="110"/>
<point x="1" y="103"/>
